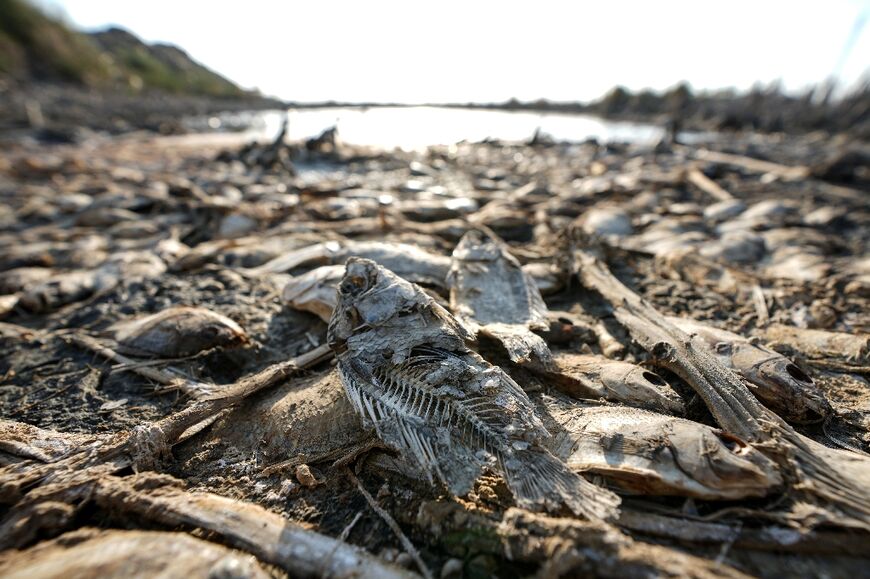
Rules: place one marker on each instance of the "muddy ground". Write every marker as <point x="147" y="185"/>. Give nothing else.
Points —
<point x="773" y="233"/>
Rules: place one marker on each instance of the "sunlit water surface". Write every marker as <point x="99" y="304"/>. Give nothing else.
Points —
<point x="420" y="127"/>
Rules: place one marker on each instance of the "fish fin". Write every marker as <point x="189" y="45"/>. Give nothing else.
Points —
<point x="540" y="481"/>
<point x="522" y="345"/>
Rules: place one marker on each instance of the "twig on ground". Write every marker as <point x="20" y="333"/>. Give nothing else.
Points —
<point x="388" y="519"/>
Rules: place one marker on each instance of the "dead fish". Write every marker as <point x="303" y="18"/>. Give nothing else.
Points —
<point x="549" y="279"/>
<point x="104" y="216"/>
<point x="22" y="278"/>
<point x="69" y="287"/>
<point x="647" y="453"/>
<point x="405" y="366"/>
<point x="408" y="261"/>
<point x="315" y="291"/>
<point x="59" y="290"/>
<point x="593" y="377"/>
<point x="310" y="416"/>
<point x="605" y="220"/>
<point x="491" y="294"/>
<point x="7" y="304"/>
<point x="774" y="379"/>
<point x="819" y="344"/>
<point x="179" y="331"/>
<point x="92" y="554"/>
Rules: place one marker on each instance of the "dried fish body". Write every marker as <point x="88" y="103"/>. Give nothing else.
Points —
<point x="491" y="294"/>
<point x="774" y="379"/>
<point x="548" y="278"/>
<point x="68" y="287"/>
<point x="7" y="304"/>
<point x="406" y="368"/>
<point x="22" y="278"/>
<point x="648" y="453"/>
<point x="507" y="219"/>
<point x="94" y="554"/>
<point x="315" y="291"/>
<point x="820" y="344"/>
<point x="737" y="247"/>
<point x="101" y="216"/>
<point x="609" y="221"/>
<point x="430" y="210"/>
<point x="179" y="331"/>
<point x="724" y="210"/>
<point x="593" y="377"/>
<point x="798" y="265"/>
<point x="408" y="261"/>
<point x="310" y="419"/>
<point x="61" y="289"/>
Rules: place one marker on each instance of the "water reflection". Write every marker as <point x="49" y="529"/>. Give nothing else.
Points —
<point x="419" y="127"/>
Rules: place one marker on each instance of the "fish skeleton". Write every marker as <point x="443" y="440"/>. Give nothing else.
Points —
<point x="406" y="368"/>
<point x="774" y="379"/>
<point x="491" y="294"/>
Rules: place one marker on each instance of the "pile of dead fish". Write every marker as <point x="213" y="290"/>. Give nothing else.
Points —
<point x="550" y="317"/>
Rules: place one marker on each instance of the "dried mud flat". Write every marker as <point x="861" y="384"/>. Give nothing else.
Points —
<point x="701" y="350"/>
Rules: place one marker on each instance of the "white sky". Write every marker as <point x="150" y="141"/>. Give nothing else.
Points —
<point x="457" y="51"/>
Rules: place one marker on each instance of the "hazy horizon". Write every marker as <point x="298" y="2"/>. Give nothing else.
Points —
<point x="386" y="52"/>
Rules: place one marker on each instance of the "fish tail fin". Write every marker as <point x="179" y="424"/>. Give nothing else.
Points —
<point x="540" y="481"/>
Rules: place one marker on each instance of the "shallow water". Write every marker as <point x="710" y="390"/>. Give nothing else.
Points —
<point x="419" y="127"/>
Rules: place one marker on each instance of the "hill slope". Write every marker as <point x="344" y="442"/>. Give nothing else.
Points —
<point x="37" y="47"/>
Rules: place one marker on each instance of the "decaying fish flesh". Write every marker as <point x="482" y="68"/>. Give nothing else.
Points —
<point x="593" y="377"/>
<point x="647" y="453"/>
<point x="405" y="366"/>
<point x="774" y="379"/>
<point x="491" y="294"/>
<point x="179" y="331"/>
<point x="315" y="291"/>
<point x="408" y="261"/>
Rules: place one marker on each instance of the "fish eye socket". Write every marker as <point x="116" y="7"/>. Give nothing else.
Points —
<point x="352" y="285"/>
<point x="797" y="374"/>
<point x="653" y="379"/>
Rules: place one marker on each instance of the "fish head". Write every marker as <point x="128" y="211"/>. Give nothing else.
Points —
<point x="724" y="464"/>
<point x="639" y="387"/>
<point x="369" y="296"/>
<point x="778" y="383"/>
<point x="796" y="397"/>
